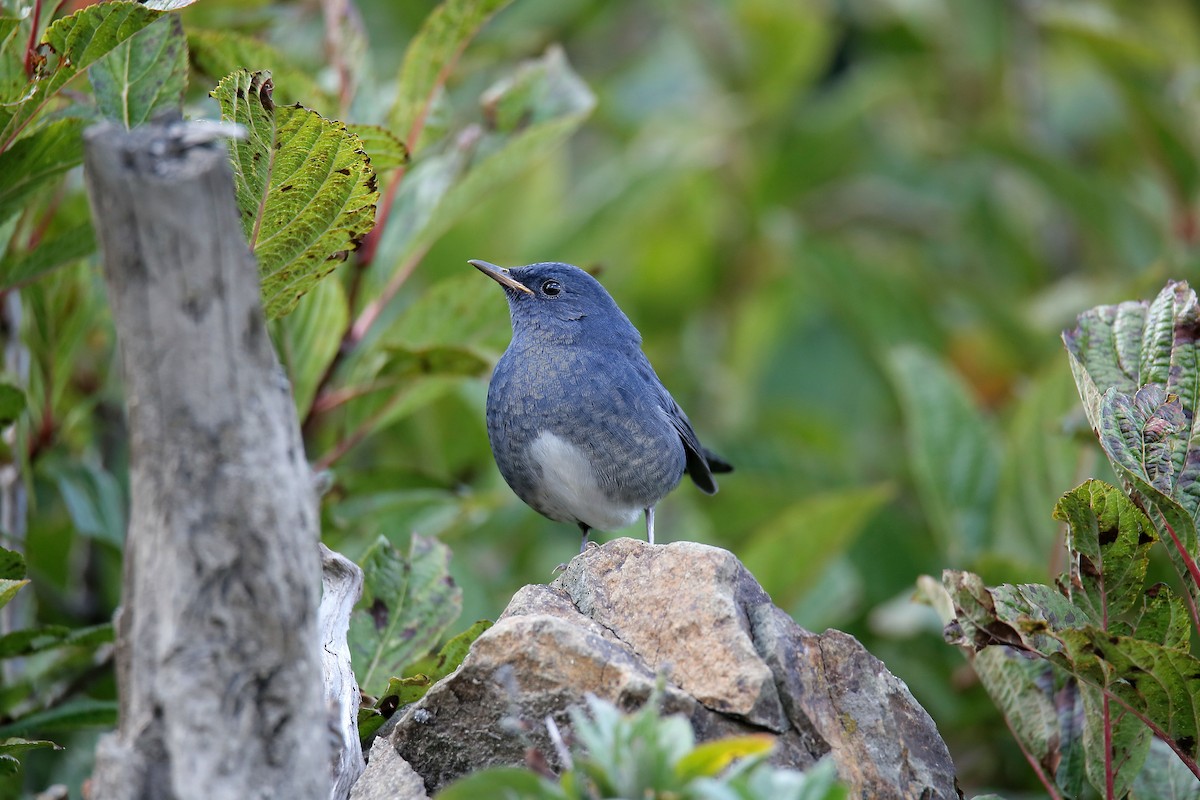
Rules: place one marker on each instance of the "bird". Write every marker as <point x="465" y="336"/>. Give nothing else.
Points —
<point x="580" y="425"/>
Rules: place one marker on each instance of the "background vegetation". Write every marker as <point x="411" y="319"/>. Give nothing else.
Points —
<point x="850" y="233"/>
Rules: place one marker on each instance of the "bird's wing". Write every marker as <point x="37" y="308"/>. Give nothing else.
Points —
<point x="697" y="457"/>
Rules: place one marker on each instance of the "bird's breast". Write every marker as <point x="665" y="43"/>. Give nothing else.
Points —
<point x="568" y="489"/>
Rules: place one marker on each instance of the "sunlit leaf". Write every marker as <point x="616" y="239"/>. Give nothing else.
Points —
<point x="711" y="758"/>
<point x="385" y="150"/>
<point x="305" y="189"/>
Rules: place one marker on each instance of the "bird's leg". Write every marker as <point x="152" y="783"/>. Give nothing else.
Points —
<point x="650" y="524"/>
<point x="584" y="530"/>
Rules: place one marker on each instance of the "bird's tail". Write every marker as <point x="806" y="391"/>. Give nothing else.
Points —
<point x="715" y="462"/>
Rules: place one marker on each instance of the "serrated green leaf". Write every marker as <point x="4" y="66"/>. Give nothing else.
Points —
<point x="429" y="671"/>
<point x="12" y="403"/>
<point x="1108" y="724"/>
<point x="80" y="40"/>
<point x="35" y="161"/>
<point x="12" y="565"/>
<point x="218" y="53"/>
<point x="70" y="716"/>
<point x="167" y="5"/>
<point x="143" y="76"/>
<point x="406" y="606"/>
<point x="8" y="588"/>
<point x="1109" y="542"/>
<point x="384" y="149"/>
<point x="952" y="449"/>
<point x="1156" y="683"/>
<point x="305" y="189"/>
<point x="54" y="252"/>
<point x="429" y="57"/>
<point x="1137" y="367"/>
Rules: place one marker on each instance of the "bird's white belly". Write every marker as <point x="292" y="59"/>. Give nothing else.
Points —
<point x="569" y="491"/>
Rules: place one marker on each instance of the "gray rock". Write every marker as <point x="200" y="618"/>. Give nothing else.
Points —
<point x="623" y="612"/>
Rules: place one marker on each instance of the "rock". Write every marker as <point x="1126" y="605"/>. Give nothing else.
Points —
<point x="388" y="777"/>
<point x="623" y="612"/>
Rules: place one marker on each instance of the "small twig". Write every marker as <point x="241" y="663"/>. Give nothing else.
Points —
<point x="361" y="432"/>
<point x="560" y="747"/>
<point x="1046" y="781"/>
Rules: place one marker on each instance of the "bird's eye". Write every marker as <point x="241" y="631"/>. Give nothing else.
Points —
<point x="551" y="288"/>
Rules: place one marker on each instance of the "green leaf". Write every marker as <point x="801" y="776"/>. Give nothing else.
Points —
<point x="553" y="112"/>
<point x="8" y="588"/>
<point x="384" y="149"/>
<point x="952" y="450"/>
<point x="35" y="161"/>
<point x="1137" y="367"/>
<point x="12" y="747"/>
<point x="429" y="58"/>
<point x="1164" y="777"/>
<point x="47" y="637"/>
<point x="785" y="556"/>
<point x="70" y="716"/>
<point x="711" y="758"/>
<point x="12" y="403"/>
<point x="218" y="53"/>
<point x="1158" y="684"/>
<point x="1109" y="542"/>
<point x="93" y="497"/>
<point x="12" y="66"/>
<point x="51" y="253"/>
<point x="369" y="721"/>
<point x="311" y="338"/>
<point x="12" y="565"/>
<point x="80" y="40"/>
<point x="406" y="606"/>
<point x="305" y="189"/>
<point x="431" y="670"/>
<point x="144" y="75"/>
<point x="32" y="640"/>
<point x="500" y="782"/>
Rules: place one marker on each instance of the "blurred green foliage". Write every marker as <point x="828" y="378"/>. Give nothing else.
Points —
<point x="850" y="232"/>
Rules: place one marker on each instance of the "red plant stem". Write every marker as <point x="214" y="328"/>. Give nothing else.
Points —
<point x="1047" y="783"/>
<point x="1192" y="569"/>
<point x="31" y="45"/>
<point x="362" y="325"/>
<point x="357" y="435"/>
<point x="1109" y="776"/>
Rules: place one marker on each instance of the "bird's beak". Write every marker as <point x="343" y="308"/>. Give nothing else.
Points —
<point x="499" y="275"/>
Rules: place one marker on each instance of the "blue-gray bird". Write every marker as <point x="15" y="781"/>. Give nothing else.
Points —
<point x="580" y="425"/>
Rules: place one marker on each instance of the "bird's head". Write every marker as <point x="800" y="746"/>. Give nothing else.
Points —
<point x="561" y="302"/>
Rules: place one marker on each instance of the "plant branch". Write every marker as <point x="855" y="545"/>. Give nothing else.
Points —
<point x="1047" y="783"/>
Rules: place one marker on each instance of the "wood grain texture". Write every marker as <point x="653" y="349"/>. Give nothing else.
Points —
<point x="218" y="652"/>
